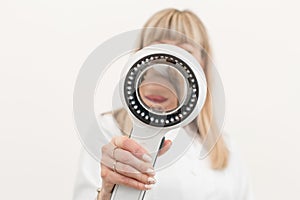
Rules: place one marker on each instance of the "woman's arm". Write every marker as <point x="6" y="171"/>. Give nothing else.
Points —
<point x="88" y="178"/>
<point x="91" y="175"/>
<point x="103" y="195"/>
<point x="242" y="184"/>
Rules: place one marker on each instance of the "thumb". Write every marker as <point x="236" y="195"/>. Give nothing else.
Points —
<point x="165" y="147"/>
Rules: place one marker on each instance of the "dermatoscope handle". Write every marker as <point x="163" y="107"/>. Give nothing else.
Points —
<point x="151" y="139"/>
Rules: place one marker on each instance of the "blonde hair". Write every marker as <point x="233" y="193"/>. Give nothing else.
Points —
<point x="187" y="23"/>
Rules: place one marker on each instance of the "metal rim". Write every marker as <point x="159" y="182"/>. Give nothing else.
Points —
<point x="153" y="118"/>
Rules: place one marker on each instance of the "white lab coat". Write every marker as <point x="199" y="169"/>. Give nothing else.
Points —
<point x="189" y="178"/>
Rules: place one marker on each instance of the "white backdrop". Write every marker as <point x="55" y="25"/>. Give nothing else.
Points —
<point x="44" y="43"/>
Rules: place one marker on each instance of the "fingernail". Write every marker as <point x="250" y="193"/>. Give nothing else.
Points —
<point x="147" y="158"/>
<point x="151" y="180"/>
<point x="149" y="186"/>
<point x="150" y="171"/>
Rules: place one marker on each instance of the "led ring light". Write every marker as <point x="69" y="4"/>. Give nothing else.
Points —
<point x="150" y="125"/>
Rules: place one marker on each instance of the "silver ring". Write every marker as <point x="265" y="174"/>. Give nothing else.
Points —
<point x="115" y="166"/>
<point x="113" y="152"/>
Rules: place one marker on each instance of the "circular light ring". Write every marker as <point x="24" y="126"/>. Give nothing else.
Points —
<point x="164" y="119"/>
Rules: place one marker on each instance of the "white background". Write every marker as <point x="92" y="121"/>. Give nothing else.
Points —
<point x="44" y="43"/>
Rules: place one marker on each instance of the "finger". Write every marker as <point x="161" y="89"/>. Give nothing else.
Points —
<point x="131" y="146"/>
<point x="129" y="171"/>
<point x="129" y="159"/>
<point x="166" y="146"/>
<point x="107" y="150"/>
<point x="115" y="178"/>
<point x="107" y="186"/>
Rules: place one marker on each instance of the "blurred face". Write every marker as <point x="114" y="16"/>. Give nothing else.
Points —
<point x="162" y="87"/>
<point x="157" y="91"/>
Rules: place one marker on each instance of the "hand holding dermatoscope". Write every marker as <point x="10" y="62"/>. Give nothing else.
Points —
<point x="164" y="88"/>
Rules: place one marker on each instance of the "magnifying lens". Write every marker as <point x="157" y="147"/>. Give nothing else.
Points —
<point x="163" y="88"/>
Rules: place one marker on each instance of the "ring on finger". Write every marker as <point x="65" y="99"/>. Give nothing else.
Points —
<point x="113" y="152"/>
<point x="115" y="166"/>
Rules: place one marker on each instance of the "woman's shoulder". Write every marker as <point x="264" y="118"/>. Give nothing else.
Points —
<point x="237" y="167"/>
<point x="231" y="143"/>
<point x="233" y="148"/>
<point x="87" y="178"/>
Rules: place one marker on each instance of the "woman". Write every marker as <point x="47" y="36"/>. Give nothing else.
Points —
<point x="218" y="176"/>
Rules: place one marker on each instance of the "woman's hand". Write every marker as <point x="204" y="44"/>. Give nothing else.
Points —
<point x="125" y="162"/>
